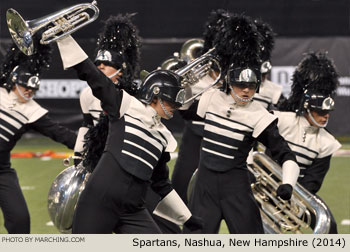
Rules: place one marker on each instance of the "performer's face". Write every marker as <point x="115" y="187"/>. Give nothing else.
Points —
<point x="245" y="92"/>
<point x="108" y="71"/>
<point x="168" y="106"/>
<point x="320" y="118"/>
<point x="26" y="92"/>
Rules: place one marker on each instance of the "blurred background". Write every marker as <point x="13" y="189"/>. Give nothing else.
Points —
<point x="301" y="26"/>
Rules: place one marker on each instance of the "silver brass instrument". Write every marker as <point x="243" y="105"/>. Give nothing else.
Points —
<point x="281" y="216"/>
<point x="197" y="67"/>
<point x="191" y="49"/>
<point x="59" y="24"/>
<point x="64" y="194"/>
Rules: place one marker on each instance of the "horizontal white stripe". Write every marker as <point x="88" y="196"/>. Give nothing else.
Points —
<point x="218" y="154"/>
<point x="142" y="148"/>
<point x="301" y="175"/>
<point x="303" y="161"/>
<point x="18" y="116"/>
<point x="198" y="122"/>
<point x="221" y="144"/>
<point x="142" y="135"/>
<point x="10" y="121"/>
<point x="224" y="132"/>
<point x="228" y="123"/>
<point x="155" y="133"/>
<point x="3" y="137"/>
<point x="137" y="157"/>
<point x="134" y="121"/>
<point x="6" y="129"/>
<point x="302" y="150"/>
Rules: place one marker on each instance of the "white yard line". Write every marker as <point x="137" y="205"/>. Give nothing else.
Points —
<point x="27" y="188"/>
<point x="342" y="153"/>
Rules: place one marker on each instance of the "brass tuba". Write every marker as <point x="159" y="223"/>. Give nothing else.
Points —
<point x="281" y="216"/>
<point x="57" y="25"/>
<point x="64" y="194"/>
<point x="198" y="66"/>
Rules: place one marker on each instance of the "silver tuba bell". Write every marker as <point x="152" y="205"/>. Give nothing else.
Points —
<point x="64" y="194"/>
<point x="57" y="25"/>
<point x="281" y="216"/>
<point x="198" y="66"/>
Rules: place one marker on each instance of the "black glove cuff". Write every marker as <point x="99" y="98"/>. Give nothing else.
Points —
<point x="285" y="191"/>
<point x="194" y="223"/>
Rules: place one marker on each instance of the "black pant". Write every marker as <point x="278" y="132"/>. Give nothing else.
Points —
<point x="187" y="161"/>
<point x="13" y="204"/>
<point x="228" y="196"/>
<point x="113" y="201"/>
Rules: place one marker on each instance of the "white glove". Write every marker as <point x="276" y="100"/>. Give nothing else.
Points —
<point x="71" y="52"/>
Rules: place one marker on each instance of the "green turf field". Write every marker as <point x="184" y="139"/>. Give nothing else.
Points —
<point x="36" y="176"/>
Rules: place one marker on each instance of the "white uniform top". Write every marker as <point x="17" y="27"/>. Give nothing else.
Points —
<point x="144" y="116"/>
<point x="229" y="129"/>
<point x="15" y="114"/>
<point x="203" y="83"/>
<point x="269" y="93"/>
<point x="306" y="141"/>
<point x="90" y="104"/>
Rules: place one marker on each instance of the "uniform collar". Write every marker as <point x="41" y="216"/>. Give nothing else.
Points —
<point x="155" y="119"/>
<point x="308" y="128"/>
<point x="12" y="99"/>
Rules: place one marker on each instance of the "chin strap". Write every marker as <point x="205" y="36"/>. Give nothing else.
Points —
<point x="166" y="112"/>
<point x="240" y="98"/>
<point x="314" y="121"/>
<point x="22" y="95"/>
<point x="114" y="74"/>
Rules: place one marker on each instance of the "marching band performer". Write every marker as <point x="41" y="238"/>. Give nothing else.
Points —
<point x="136" y="153"/>
<point x="117" y="56"/>
<point x="189" y="150"/>
<point x="305" y="117"/>
<point x="232" y="122"/>
<point x="19" y="113"/>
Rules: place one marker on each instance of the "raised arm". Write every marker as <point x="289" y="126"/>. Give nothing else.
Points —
<point x="102" y="87"/>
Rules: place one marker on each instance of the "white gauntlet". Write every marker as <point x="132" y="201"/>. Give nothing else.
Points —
<point x="172" y="208"/>
<point x="290" y="172"/>
<point x="79" y="143"/>
<point x="71" y="52"/>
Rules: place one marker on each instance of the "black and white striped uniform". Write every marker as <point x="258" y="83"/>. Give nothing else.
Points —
<point x="313" y="148"/>
<point x="16" y="118"/>
<point x="222" y="189"/>
<point x="269" y="94"/>
<point x="91" y="108"/>
<point x="136" y="153"/>
<point x="189" y="150"/>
